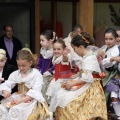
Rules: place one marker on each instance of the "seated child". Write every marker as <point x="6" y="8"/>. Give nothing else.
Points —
<point x="5" y="69"/>
<point x="28" y="103"/>
<point x="62" y="66"/>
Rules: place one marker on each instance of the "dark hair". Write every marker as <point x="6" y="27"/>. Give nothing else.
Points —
<point x="113" y="31"/>
<point x="26" y="54"/>
<point x="83" y="39"/>
<point x="60" y="40"/>
<point x="77" y="27"/>
<point x="4" y="27"/>
<point x="55" y="36"/>
<point x="48" y="34"/>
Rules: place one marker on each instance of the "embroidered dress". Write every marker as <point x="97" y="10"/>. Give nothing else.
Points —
<point x="86" y="103"/>
<point x="30" y="85"/>
<point x="62" y="73"/>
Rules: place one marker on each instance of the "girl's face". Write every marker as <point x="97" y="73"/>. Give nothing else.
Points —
<point x="57" y="49"/>
<point x="44" y="42"/>
<point x="24" y="65"/>
<point x="2" y="63"/>
<point x="110" y="40"/>
<point x="118" y="38"/>
<point x="78" y="50"/>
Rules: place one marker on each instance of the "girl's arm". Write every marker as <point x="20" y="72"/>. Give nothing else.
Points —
<point x="86" y="77"/>
<point x="65" y="55"/>
<point x="6" y="87"/>
<point x="69" y="84"/>
<point x="5" y="93"/>
<point x="117" y="59"/>
<point x="22" y="100"/>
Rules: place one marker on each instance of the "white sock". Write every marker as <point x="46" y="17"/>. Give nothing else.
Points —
<point x="116" y="106"/>
<point x="118" y="118"/>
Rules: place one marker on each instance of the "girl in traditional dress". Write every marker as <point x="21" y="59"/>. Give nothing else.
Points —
<point x="28" y="103"/>
<point x="45" y="65"/>
<point x="87" y="102"/>
<point x="5" y="69"/>
<point x="46" y="52"/>
<point x="109" y="50"/>
<point x="62" y="66"/>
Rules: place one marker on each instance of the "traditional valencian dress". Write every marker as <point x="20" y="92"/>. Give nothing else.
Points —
<point x="30" y="85"/>
<point x="62" y="73"/>
<point x="85" y="103"/>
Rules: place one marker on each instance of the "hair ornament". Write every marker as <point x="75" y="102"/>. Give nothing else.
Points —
<point x="2" y="53"/>
<point x="86" y="41"/>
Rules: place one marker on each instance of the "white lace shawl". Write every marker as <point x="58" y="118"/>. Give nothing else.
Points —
<point x="47" y="54"/>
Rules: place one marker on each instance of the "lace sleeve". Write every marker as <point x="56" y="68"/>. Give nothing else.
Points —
<point x="87" y="76"/>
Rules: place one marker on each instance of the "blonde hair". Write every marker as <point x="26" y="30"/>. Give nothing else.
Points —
<point x="26" y="54"/>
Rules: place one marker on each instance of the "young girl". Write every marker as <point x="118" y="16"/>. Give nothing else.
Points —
<point x="28" y="103"/>
<point x="45" y="65"/>
<point x="62" y="66"/>
<point x="109" y="50"/>
<point x="46" y="52"/>
<point x="87" y="102"/>
<point x="5" y="69"/>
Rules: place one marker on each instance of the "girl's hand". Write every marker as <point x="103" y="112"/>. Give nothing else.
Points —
<point x="6" y="94"/>
<point x="111" y="59"/>
<point x="68" y="85"/>
<point x="16" y="102"/>
<point x="66" y="51"/>
<point x="101" y="53"/>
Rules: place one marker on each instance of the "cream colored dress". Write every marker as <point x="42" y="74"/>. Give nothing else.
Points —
<point x="86" y="103"/>
<point x="30" y="85"/>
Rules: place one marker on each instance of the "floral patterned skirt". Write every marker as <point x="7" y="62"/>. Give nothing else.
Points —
<point x="87" y="106"/>
<point x="39" y="112"/>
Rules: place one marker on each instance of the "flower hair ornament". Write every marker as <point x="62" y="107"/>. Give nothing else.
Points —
<point x="85" y="40"/>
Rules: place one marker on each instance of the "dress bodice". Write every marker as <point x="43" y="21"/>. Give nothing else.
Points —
<point x="22" y="88"/>
<point x="62" y="71"/>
